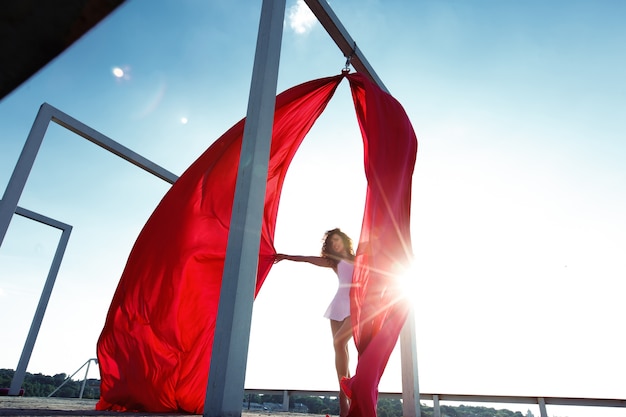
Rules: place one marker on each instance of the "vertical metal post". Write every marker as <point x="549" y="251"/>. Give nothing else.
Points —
<point x="408" y="358"/>
<point x="20" y="372"/>
<point x="436" y="408"/>
<point x="285" y="400"/>
<point x="542" y="407"/>
<point x="225" y="387"/>
<point x="14" y="189"/>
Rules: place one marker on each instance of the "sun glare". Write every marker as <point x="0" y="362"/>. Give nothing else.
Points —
<point x="407" y="279"/>
<point x="118" y="72"/>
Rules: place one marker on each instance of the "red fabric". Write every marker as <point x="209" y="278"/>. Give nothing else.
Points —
<point x="155" y="348"/>
<point x="378" y="306"/>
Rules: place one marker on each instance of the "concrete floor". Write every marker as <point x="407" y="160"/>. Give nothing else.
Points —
<point x="48" y="407"/>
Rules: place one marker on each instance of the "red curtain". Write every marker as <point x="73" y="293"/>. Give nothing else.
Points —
<point x="378" y="306"/>
<point x="155" y="348"/>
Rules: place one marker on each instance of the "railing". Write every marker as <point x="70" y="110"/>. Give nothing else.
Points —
<point x="436" y="398"/>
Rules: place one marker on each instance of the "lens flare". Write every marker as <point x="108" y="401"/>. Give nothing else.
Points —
<point x="407" y="281"/>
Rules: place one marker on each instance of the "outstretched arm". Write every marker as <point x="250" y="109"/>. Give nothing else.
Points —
<point x="315" y="260"/>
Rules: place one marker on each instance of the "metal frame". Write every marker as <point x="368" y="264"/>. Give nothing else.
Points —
<point x="225" y="386"/>
<point x="263" y="86"/>
<point x="329" y="20"/>
<point x="226" y="381"/>
<point x="511" y="399"/>
<point x="20" y="371"/>
<point x="45" y="115"/>
<point x="467" y="398"/>
<point x="13" y="192"/>
<point x="69" y="378"/>
<point x="408" y="336"/>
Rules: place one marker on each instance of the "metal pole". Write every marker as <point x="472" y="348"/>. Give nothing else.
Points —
<point x="408" y="358"/>
<point x="20" y="372"/>
<point x="436" y="408"/>
<point x="69" y="378"/>
<point x="225" y="387"/>
<point x="82" y="387"/>
<point x="285" y="401"/>
<point x="542" y="407"/>
<point x="92" y="135"/>
<point x="14" y="189"/>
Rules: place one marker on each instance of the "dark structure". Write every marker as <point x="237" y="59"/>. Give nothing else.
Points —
<point x="34" y="32"/>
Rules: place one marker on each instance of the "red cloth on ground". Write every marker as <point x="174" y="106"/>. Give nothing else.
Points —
<point x="155" y="348"/>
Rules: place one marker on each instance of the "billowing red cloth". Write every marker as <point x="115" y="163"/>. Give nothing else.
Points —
<point x="154" y="351"/>
<point x="155" y="348"/>
<point x="378" y="306"/>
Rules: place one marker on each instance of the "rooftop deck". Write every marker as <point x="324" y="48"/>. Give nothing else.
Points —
<point x="55" y="406"/>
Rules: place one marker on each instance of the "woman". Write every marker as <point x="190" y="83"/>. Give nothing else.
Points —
<point x="337" y="253"/>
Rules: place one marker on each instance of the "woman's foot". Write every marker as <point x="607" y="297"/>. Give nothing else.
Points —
<point x="344" y="404"/>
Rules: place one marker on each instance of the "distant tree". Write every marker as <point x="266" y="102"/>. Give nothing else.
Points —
<point x="426" y="411"/>
<point x="252" y="398"/>
<point x="273" y="399"/>
<point x="449" y="411"/>
<point x="6" y="375"/>
<point x="316" y="405"/>
<point x="389" y="408"/>
<point x="39" y="385"/>
<point x="472" y="411"/>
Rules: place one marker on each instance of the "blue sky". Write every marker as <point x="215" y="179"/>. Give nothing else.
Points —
<point x="519" y="190"/>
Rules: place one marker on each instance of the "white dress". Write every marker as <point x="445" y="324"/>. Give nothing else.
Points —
<point x="339" y="307"/>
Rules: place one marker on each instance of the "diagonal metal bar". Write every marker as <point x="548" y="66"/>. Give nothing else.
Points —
<point x="46" y="114"/>
<point x="329" y="20"/>
<point x="22" y="169"/>
<point x="109" y="144"/>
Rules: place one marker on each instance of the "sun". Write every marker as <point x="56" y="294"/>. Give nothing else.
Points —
<point x="406" y="279"/>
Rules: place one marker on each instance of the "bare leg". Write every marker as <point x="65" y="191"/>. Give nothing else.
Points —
<point x="342" y="333"/>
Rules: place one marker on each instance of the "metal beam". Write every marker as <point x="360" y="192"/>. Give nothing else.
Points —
<point x="13" y="192"/>
<point x="329" y="20"/>
<point x="225" y="387"/>
<point x="109" y="144"/>
<point x="20" y="371"/>
<point x="408" y="360"/>
<point x="25" y="162"/>
<point x="22" y="169"/>
<point x="467" y="398"/>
